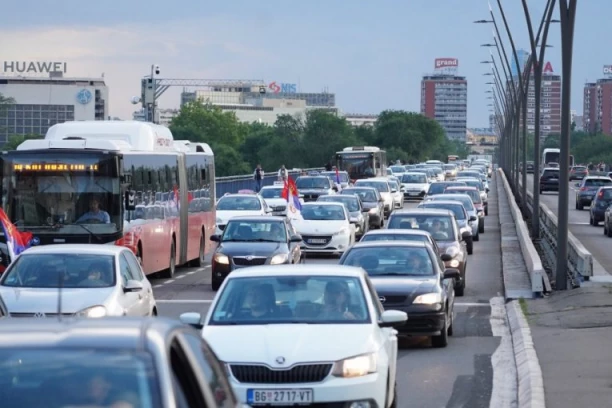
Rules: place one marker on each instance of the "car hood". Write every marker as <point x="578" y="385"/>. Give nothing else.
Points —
<point x="276" y="202"/>
<point x="314" y="191"/>
<point x="306" y="227"/>
<point x="249" y="248"/>
<point x="415" y="186"/>
<point x="226" y="215"/>
<point x="444" y="245"/>
<point x="44" y="300"/>
<point x="406" y="285"/>
<point x="369" y="204"/>
<point x="296" y="343"/>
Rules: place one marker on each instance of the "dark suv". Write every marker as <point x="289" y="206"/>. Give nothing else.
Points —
<point x="587" y="189"/>
<point x="578" y="173"/>
<point x="601" y="202"/>
<point x="549" y="180"/>
<point x="311" y="187"/>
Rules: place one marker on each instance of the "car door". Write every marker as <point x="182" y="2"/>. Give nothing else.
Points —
<point x="388" y="334"/>
<point x="295" y="250"/>
<point x="188" y="385"/>
<point x="129" y="301"/>
<point x="147" y="302"/>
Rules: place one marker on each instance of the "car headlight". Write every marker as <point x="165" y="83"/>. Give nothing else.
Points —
<point x="373" y="210"/>
<point x="428" y="299"/>
<point x="222" y="259"/>
<point x="279" y="259"/>
<point x="93" y="312"/>
<point x="452" y="251"/>
<point x="356" y="366"/>
<point x="343" y="231"/>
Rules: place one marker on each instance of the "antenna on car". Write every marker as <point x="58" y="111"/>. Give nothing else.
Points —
<point x="59" y="295"/>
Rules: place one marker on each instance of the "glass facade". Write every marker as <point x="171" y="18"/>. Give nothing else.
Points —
<point x="21" y="119"/>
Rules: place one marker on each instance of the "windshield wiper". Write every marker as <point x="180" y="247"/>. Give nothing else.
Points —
<point x="261" y="240"/>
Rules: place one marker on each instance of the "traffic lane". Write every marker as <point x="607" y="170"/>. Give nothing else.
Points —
<point x="591" y="237"/>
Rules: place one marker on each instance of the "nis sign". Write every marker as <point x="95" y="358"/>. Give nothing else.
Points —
<point x="607" y="71"/>
<point x="33" y="67"/>
<point x="446" y="63"/>
<point x="284" y="88"/>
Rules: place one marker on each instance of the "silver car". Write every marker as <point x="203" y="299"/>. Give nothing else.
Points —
<point x="95" y="281"/>
<point x="463" y="219"/>
<point x="359" y="218"/>
<point x="468" y="204"/>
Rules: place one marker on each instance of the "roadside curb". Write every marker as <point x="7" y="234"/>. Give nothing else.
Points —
<point x="530" y="381"/>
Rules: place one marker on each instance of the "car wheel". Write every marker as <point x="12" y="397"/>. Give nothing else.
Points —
<point x="470" y="246"/>
<point x="609" y="232"/>
<point x="394" y="401"/>
<point x="450" y="327"/>
<point x="576" y="205"/>
<point x="487" y="210"/>
<point x="595" y="222"/>
<point x="216" y="284"/>
<point x="441" y="340"/>
<point x="476" y="237"/>
<point x="605" y="227"/>
<point x="169" y="273"/>
<point x="199" y="261"/>
<point x="579" y="206"/>
<point x="481" y="228"/>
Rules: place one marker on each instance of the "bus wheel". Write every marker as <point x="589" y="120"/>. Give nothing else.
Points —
<point x="199" y="261"/>
<point x="169" y="273"/>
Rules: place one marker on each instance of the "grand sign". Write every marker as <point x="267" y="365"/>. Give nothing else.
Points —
<point x="33" y="67"/>
<point x="441" y="63"/>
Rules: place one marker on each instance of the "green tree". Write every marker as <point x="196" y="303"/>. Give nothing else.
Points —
<point x="15" y="140"/>
<point x="6" y="100"/>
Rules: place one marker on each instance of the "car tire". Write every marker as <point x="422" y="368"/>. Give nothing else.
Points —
<point x="609" y="232"/>
<point x="461" y="289"/>
<point x="394" y="401"/>
<point x="441" y="340"/>
<point x="216" y="284"/>
<point x="199" y="261"/>
<point x="450" y="327"/>
<point x="605" y="228"/>
<point x="487" y="210"/>
<point x="579" y="206"/>
<point x="470" y="246"/>
<point x="169" y="273"/>
<point x="481" y="228"/>
<point x="476" y="237"/>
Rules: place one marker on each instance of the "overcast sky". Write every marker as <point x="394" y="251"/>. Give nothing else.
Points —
<point x="371" y="54"/>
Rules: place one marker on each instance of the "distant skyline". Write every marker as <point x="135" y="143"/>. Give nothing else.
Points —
<point x="372" y="56"/>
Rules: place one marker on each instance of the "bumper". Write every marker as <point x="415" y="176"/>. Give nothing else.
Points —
<point x="333" y="390"/>
<point x="425" y="320"/>
<point x="549" y="187"/>
<point x="413" y="195"/>
<point x="337" y="244"/>
<point x="599" y="213"/>
<point x="584" y="199"/>
<point x="375" y="220"/>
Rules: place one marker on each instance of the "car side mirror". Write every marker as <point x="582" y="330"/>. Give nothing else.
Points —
<point x="451" y="273"/>
<point x="392" y="318"/>
<point x="133" y="286"/>
<point x="296" y="238"/>
<point x="446" y="257"/>
<point x="466" y="235"/>
<point x="394" y="190"/>
<point x="193" y="319"/>
<point x="215" y="238"/>
<point x="473" y="218"/>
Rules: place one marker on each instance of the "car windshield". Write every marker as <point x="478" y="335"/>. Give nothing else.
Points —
<point x="455" y="208"/>
<point x="439" y="226"/>
<point x="471" y="174"/>
<point x="462" y="198"/>
<point x="394" y="237"/>
<point x="381" y="186"/>
<point x="449" y="167"/>
<point x="323" y="212"/>
<point x="579" y="168"/>
<point x="474" y="183"/>
<point x="351" y="203"/>
<point x="71" y="377"/>
<point x="271" y="192"/>
<point x="291" y="299"/>
<point x="391" y="260"/>
<point x="414" y="179"/>
<point x="474" y="194"/>
<point x="258" y="231"/>
<point x="436" y="170"/>
<point x="550" y="174"/>
<point x="238" y="204"/>
<point x="597" y="182"/>
<point x="66" y="269"/>
<point x="398" y="169"/>
<point x="438" y="188"/>
<point x="312" y="183"/>
<point x="607" y="194"/>
<point x="367" y="196"/>
<point x="334" y="177"/>
<point x="394" y="185"/>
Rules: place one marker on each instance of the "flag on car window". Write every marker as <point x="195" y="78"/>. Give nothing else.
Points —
<point x="294" y="206"/>
<point x="16" y="241"/>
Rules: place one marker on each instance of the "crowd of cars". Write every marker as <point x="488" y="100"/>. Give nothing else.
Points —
<point x="398" y="273"/>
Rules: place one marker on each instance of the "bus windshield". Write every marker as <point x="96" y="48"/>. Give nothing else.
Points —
<point x="357" y="165"/>
<point x="66" y="193"/>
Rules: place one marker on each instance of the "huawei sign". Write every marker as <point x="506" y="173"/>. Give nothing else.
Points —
<point x="447" y="63"/>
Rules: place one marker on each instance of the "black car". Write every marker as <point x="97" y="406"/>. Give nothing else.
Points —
<point x="410" y="276"/>
<point x="439" y="186"/>
<point x="109" y="362"/>
<point x="311" y="187"/>
<point x="587" y="188"/>
<point x="251" y="241"/>
<point x="372" y="203"/>
<point x="601" y="202"/>
<point x="549" y="180"/>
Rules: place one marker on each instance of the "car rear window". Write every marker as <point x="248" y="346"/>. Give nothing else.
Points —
<point x="577" y="168"/>
<point x="597" y="182"/>
<point x="550" y="174"/>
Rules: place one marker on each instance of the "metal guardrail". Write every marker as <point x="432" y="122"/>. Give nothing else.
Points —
<point x="579" y="259"/>
<point x="233" y="184"/>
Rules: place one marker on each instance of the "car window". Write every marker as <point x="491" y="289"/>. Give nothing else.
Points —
<point x="351" y="203"/>
<point x="53" y="270"/>
<point x="391" y="260"/>
<point x="440" y="227"/>
<point x="230" y="203"/>
<point x="551" y="174"/>
<point x="394" y="237"/>
<point x="186" y="383"/>
<point x="366" y="196"/>
<point x="271" y="192"/>
<point x="252" y="230"/>
<point x="135" y="267"/>
<point x="125" y="270"/>
<point x="381" y="186"/>
<point x="457" y="209"/>
<point x="316" y="212"/>
<point x="291" y="299"/>
<point x="378" y="307"/>
<point x="597" y="182"/>
<point x="414" y="179"/>
<point x="312" y="183"/>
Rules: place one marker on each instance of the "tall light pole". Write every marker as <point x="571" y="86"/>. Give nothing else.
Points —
<point x="567" y="11"/>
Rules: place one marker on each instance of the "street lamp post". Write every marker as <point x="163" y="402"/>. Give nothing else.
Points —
<point x="568" y="17"/>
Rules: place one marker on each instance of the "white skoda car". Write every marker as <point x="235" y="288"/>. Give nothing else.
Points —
<point x="326" y="227"/>
<point x="233" y="205"/>
<point x="317" y="335"/>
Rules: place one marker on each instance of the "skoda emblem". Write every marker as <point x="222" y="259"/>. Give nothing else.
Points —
<point x="84" y="96"/>
<point x="249" y="258"/>
<point x="382" y="299"/>
<point x="35" y="241"/>
<point x="280" y="360"/>
<point x="39" y="314"/>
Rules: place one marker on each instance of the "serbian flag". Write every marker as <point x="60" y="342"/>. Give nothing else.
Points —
<point x="16" y="241"/>
<point x="290" y="193"/>
<point x="177" y="200"/>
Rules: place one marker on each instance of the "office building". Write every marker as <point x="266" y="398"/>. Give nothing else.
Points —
<point x="597" y="106"/>
<point x="444" y="98"/>
<point x="41" y="102"/>
<point x="550" y="104"/>
<point x="519" y="66"/>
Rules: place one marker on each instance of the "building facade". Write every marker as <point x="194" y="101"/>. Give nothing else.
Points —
<point x="550" y="105"/>
<point x="597" y="106"/>
<point x="41" y="102"/>
<point x="444" y="98"/>
<point x="358" y="120"/>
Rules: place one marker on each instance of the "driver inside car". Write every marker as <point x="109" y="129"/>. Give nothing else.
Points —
<point x="95" y="214"/>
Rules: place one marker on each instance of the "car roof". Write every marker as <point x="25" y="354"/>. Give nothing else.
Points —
<point x="551" y="168"/>
<point x="398" y="231"/>
<point x="91" y="249"/>
<point x="597" y="178"/>
<point x="412" y="244"/>
<point x="447" y="182"/>
<point x="414" y="173"/>
<point x="322" y="203"/>
<point x="457" y="188"/>
<point x="356" y="187"/>
<point x="105" y="333"/>
<point x="297" y="270"/>
<point x="309" y="177"/>
<point x="373" y="179"/>
<point x="453" y="202"/>
<point x="256" y="218"/>
<point x="430" y="211"/>
<point x="330" y="197"/>
<point x="468" y="179"/>
<point x="273" y="186"/>
<point x="239" y="195"/>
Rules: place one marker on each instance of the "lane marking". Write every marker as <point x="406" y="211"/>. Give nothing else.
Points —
<point x="169" y="281"/>
<point x="580" y="223"/>
<point x="158" y="286"/>
<point x="180" y="276"/>
<point x="183" y="301"/>
<point x="468" y="304"/>
<point x="191" y="273"/>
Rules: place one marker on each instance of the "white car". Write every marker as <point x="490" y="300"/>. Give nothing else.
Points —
<point x="96" y="281"/>
<point x="383" y="187"/>
<point x="416" y="185"/>
<point x="232" y="205"/>
<point x="273" y="196"/>
<point x="326" y="227"/>
<point x="398" y="170"/>
<point x="398" y="193"/>
<point x="315" y="334"/>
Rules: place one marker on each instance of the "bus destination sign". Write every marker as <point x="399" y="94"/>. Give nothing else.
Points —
<point x="55" y="167"/>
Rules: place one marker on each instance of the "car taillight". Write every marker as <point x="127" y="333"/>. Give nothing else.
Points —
<point x="600" y="195"/>
<point x="583" y="189"/>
